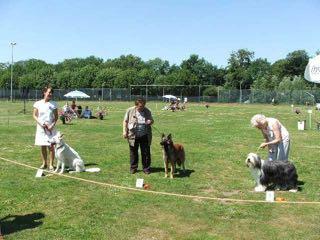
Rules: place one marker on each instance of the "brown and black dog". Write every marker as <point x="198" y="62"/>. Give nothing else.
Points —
<point x="172" y="153"/>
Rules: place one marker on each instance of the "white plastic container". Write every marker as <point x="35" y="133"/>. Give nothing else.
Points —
<point x="302" y="125"/>
<point x="270" y="196"/>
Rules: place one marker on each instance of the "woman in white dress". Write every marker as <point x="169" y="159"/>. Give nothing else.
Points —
<point x="45" y="113"/>
<point x="276" y="136"/>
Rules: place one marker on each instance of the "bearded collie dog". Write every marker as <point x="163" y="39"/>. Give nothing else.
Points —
<point x="281" y="174"/>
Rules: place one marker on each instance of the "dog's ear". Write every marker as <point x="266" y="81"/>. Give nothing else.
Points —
<point x="162" y="135"/>
<point x="61" y="135"/>
<point x="169" y="136"/>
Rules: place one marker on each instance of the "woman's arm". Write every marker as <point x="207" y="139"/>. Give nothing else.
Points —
<point x="277" y="133"/>
<point x="55" y="114"/>
<point x="35" y="116"/>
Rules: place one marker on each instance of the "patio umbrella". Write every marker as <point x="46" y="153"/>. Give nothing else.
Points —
<point x="76" y="94"/>
<point x="169" y="97"/>
<point x="312" y="71"/>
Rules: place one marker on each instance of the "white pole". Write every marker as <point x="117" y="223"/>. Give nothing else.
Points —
<point x="12" y="44"/>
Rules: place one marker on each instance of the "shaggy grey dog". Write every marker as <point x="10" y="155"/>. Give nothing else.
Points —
<point x="282" y="174"/>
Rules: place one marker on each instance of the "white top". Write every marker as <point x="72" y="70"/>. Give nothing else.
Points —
<point x="141" y="126"/>
<point x="269" y="132"/>
<point x="45" y="111"/>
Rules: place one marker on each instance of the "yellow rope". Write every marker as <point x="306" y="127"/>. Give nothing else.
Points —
<point x="156" y="192"/>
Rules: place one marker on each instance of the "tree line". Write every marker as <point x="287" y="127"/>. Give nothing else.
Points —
<point x="243" y="71"/>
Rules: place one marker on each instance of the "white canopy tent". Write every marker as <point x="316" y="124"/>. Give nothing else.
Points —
<point x="76" y="94"/>
<point x="312" y="71"/>
<point x="169" y="97"/>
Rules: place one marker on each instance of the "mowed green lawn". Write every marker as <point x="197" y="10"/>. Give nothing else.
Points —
<point x="217" y="141"/>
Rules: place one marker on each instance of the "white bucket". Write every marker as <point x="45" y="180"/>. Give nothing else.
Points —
<point x="302" y="125"/>
<point x="270" y="196"/>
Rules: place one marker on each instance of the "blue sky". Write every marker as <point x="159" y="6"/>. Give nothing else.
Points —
<point x="53" y="30"/>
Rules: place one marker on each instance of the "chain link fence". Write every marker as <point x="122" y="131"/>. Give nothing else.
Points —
<point x="222" y="95"/>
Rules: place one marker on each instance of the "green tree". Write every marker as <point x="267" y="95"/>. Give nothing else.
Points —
<point x="199" y="67"/>
<point x="125" y="78"/>
<point x="106" y="77"/>
<point x="125" y="62"/>
<point x="159" y="66"/>
<point x="237" y="71"/>
<point x="296" y="63"/>
<point x="278" y="68"/>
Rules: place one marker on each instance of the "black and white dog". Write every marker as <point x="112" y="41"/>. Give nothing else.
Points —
<point x="282" y="174"/>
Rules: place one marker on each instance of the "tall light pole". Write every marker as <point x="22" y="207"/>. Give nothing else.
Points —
<point x="12" y="44"/>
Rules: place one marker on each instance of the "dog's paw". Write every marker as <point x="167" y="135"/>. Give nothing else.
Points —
<point x="171" y="176"/>
<point x="166" y="175"/>
<point x="259" y="188"/>
<point x="293" y="190"/>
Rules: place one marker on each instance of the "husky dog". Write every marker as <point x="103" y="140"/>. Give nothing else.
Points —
<point x="66" y="155"/>
<point x="282" y="174"/>
<point x="172" y="153"/>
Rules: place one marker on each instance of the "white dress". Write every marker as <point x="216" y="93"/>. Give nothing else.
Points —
<point x="45" y="115"/>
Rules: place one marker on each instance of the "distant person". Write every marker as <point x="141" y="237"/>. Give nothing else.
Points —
<point x="276" y="136"/>
<point x="79" y="110"/>
<point x="73" y="105"/>
<point x="45" y="113"/>
<point x="87" y="113"/>
<point x="137" y="130"/>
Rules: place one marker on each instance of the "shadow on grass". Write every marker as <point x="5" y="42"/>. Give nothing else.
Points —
<point x="180" y="172"/>
<point x="273" y="187"/>
<point x="90" y="164"/>
<point x="15" y="223"/>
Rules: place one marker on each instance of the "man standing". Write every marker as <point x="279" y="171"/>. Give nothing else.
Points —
<point x="137" y="130"/>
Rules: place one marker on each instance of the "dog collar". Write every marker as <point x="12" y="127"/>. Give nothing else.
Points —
<point x="59" y="147"/>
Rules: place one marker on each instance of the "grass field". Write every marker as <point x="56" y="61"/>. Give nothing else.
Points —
<point x="217" y="141"/>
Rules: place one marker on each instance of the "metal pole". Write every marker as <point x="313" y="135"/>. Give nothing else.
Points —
<point x="240" y="93"/>
<point x="146" y="92"/>
<point x="102" y="92"/>
<point x="12" y="44"/>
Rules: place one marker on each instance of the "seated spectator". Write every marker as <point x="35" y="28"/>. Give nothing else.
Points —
<point x="73" y="105"/>
<point x="101" y="113"/>
<point x="79" y="110"/>
<point x="66" y="108"/>
<point x="177" y="104"/>
<point x="87" y="113"/>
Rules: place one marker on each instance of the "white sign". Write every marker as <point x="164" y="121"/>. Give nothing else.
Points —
<point x="39" y="173"/>
<point x="270" y="196"/>
<point x="301" y="125"/>
<point x="309" y="111"/>
<point x="139" y="183"/>
<point x="312" y="71"/>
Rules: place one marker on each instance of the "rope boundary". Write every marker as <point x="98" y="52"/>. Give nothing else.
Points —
<point x="159" y="192"/>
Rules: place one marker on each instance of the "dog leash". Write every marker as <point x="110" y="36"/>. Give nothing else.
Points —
<point x="156" y="129"/>
<point x="156" y="192"/>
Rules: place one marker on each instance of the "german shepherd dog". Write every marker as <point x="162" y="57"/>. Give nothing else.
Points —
<point x="172" y="153"/>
